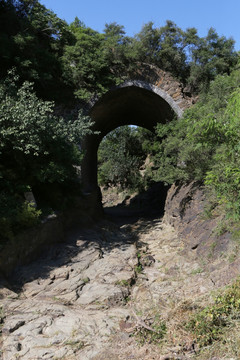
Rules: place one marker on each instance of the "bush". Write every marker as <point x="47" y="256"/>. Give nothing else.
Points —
<point x="27" y="216"/>
<point x="208" y="325"/>
<point x="224" y="176"/>
<point x="35" y="145"/>
<point x="37" y="149"/>
<point x="120" y="157"/>
<point x="153" y="333"/>
<point x="16" y="215"/>
<point x="204" y="144"/>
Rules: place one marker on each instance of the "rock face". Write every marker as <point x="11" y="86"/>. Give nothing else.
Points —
<point x="28" y="244"/>
<point x="184" y="210"/>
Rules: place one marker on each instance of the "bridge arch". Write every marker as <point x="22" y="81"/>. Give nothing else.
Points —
<point x="145" y="102"/>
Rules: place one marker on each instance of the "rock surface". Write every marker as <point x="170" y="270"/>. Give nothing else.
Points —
<point x="70" y="301"/>
<point x="185" y="210"/>
<point x="85" y="298"/>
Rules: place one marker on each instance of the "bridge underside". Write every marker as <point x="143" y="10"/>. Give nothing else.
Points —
<point x="130" y="105"/>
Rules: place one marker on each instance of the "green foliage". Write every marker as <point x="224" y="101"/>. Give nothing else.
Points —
<point x="153" y="333"/>
<point x="35" y="145"/>
<point x="190" y="143"/>
<point x="117" y="51"/>
<point x="16" y="215"/>
<point x="163" y="46"/>
<point x="194" y="60"/>
<point x="138" y="268"/>
<point x="37" y="149"/>
<point x="28" y="216"/>
<point x="32" y="39"/>
<point x="224" y="176"/>
<point x="208" y="325"/>
<point x="84" y="63"/>
<point x="63" y="59"/>
<point x="204" y="144"/>
<point x="213" y="55"/>
<point x="94" y="62"/>
<point x="86" y="280"/>
<point x="197" y="271"/>
<point x="124" y="283"/>
<point x="120" y="157"/>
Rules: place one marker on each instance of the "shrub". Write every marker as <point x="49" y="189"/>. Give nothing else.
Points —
<point x="15" y="215"/>
<point x="27" y="215"/>
<point x="37" y="150"/>
<point x="153" y="333"/>
<point x="204" y="144"/>
<point x="120" y="157"/>
<point x="208" y="325"/>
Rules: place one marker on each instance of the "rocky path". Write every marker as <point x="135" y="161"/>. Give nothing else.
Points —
<point x="69" y="302"/>
<point x="82" y="299"/>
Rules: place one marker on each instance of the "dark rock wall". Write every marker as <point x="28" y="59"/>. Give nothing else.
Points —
<point x="29" y="244"/>
<point x="219" y="252"/>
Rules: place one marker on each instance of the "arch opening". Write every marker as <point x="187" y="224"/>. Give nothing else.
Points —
<point x="133" y="103"/>
<point x="124" y="168"/>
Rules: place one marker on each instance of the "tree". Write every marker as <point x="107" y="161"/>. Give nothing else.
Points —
<point x="193" y="60"/>
<point x="35" y="145"/>
<point x="32" y="40"/>
<point x="120" y="157"/>
<point x="204" y="144"/>
<point x="115" y="44"/>
<point x="147" y="43"/>
<point x="84" y="63"/>
<point x="213" y="55"/>
<point x="39" y="152"/>
<point x="224" y="176"/>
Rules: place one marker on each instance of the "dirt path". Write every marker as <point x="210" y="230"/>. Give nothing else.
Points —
<point x="84" y="299"/>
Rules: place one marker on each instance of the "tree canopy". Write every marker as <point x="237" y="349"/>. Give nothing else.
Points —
<point x="65" y="61"/>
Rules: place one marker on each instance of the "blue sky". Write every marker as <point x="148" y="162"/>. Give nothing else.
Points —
<point x="222" y="15"/>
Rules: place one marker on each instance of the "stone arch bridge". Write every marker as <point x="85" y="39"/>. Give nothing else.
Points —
<point x="150" y="96"/>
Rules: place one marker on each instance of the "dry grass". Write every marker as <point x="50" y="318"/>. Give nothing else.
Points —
<point x="180" y="340"/>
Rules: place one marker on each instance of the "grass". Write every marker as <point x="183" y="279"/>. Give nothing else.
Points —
<point x="208" y="331"/>
<point x="212" y="248"/>
<point x="235" y="231"/>
<point x="126" y="300"/>
<point x="122" y="283"/>
<point x="210" y="324"/>
<point x="139" y="255"/>
<point x="154" y="333"/>
<point x="208" y="211"/>
<point x="233" y="257"/>
<point x="227" y="348"/>
<point x="197" y="271"/>
<point x="138" y="269"/>
<point x="76" y="344"/>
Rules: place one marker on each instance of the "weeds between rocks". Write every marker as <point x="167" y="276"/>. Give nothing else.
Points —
<point x="201" y="332"/>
